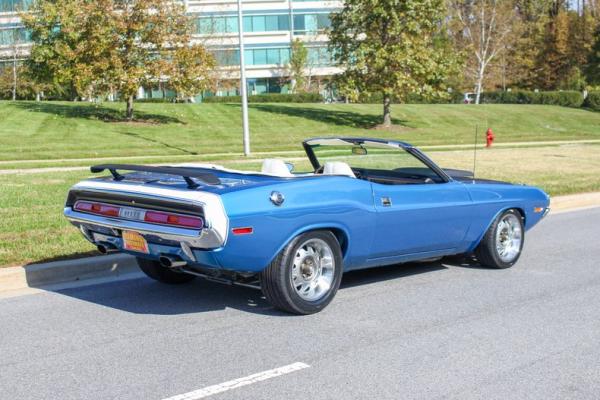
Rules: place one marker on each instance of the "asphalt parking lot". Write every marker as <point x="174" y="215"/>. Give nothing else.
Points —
<point x="421" y="331"/>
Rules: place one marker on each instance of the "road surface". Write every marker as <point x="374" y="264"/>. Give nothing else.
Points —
<point x="419" y="331"/>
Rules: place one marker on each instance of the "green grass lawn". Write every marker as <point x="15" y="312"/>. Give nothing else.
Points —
<point x="58" y="134"/>
<point x="61" y="130"/>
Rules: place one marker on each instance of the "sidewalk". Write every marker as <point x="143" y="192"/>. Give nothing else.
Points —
<point x="570" y="202"/>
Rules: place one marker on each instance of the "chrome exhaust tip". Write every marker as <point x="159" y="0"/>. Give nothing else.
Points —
<point x="171" y="262"/>
<point x="106" y="248"/>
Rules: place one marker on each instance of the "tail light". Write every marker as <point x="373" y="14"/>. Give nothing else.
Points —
<point x="153" y="217"/>
<point x="97" y="208"/>
<point x="157" y="217"/>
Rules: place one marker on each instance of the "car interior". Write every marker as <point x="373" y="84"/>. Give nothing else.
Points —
<point x="399" y="176"/>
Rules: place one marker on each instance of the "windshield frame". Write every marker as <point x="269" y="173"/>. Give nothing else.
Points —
<point x="310" y="144"/>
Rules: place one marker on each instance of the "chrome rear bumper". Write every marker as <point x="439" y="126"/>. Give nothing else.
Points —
<point x="212" y="236"/>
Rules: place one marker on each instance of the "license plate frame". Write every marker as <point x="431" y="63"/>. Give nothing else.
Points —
<point x="132" y="213"/>
<point x="133" y="241"/>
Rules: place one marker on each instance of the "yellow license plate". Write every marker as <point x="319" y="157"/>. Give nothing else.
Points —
<point x="135" y="242"/>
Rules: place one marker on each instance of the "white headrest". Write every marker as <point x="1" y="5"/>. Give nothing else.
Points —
<point x="273" y="166"/>
<point x="338" y="168"/>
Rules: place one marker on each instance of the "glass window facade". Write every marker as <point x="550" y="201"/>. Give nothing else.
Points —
<point x="252" y="23"/>
<point x="255" y="86"/>
<point x="4" y="64"/>
<point x="318" y="56"/>
<point x="306" y="24"/>
<point x="12" y="35"/>
<point x="231" y="57"/>
<point x="269" y="56"/>
<point x="14" y="5"/>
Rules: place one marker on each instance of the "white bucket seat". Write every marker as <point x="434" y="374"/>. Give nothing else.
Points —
<point x="338" y="168"/>
<point x="273" y="166"/>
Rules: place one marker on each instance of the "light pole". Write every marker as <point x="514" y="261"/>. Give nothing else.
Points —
<point x="243" y="87"/>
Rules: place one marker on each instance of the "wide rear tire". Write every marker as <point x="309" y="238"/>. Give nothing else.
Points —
<point x="163" y="274"/>
<point x="305" y="276"/>
<point x="502" y="244"/>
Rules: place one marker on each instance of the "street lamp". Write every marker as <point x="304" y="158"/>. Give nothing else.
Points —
<point x="243" y="87"/>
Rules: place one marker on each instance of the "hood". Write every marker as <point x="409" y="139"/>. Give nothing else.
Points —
<point x="467" y="176"/>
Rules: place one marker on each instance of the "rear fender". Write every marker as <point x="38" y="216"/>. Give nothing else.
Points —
<point x="331" y="226"/>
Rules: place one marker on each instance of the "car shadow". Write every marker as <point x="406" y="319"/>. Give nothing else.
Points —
<point x="465" y="261"/>
<point x="380" y="274"/>
<point x="145" y="296"/>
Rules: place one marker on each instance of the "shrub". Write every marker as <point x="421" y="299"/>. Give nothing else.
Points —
<point x="565" y="98"/>
<point x="457" y="97"/>
<point x="413" y="98"/>
<point x="512" y="97"/>
<point x="593" y="101"/>
<point x="268" y="98"/>
<point x="223" y="99"/>
<point x="157" y="100"/>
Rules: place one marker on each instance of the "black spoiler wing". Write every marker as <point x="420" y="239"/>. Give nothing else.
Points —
<point x="186" y="173"/>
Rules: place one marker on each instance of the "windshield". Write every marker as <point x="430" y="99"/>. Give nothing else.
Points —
<point x="377" y="162"/>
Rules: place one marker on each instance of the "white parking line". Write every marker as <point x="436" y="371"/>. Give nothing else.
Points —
<point x="237" y="383"/>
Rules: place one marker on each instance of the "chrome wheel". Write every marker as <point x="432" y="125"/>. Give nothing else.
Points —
<point x="509" y="236"/>
<point x="313" y="269"/>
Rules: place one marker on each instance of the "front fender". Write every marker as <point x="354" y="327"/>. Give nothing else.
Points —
<point x="490" y="201"/>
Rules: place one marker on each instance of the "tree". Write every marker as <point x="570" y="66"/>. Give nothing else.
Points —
<point x="102" y="46"/>
<point x="592" y="69"/>
<point x="488" y="28"/>
<point x="190" y="71"/>
<point x="297" y="64"/>
<point x="389" y="47"/>
<point x="523" y="53"/>
<point x="15" y="61"/>
<point x="27" y="87"/>
<point x="72" y="43"/>
<point x="554" y="63"/>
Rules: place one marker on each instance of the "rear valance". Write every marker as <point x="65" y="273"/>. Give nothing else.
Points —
<point x="186" y="173"/>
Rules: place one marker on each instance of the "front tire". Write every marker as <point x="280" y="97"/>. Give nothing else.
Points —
<point x="305" y="275"/>
<point x="155" y="271"/>
<point x="503" y="242"/>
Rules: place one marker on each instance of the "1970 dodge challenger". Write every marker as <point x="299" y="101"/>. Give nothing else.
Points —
<point x="367" y="202"/>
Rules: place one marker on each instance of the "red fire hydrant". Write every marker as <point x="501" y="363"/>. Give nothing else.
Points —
<point x="489" y="138"/>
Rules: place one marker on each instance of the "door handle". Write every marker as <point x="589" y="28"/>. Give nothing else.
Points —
<point x="386" y="202"/>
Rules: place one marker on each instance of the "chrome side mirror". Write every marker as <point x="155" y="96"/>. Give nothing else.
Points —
<point x="289" y="166"/>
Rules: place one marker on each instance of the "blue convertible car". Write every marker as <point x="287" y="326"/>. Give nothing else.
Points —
<point x="365" y="203"/>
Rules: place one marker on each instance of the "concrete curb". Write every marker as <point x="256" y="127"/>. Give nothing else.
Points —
<point x="574" y="201"/>
<point x="69" y="271"/>
<point x="115" y="266"/>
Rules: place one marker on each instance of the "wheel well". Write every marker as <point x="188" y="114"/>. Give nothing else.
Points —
<point x="339" y="234"/>
<point x="517" y="209"/>
<point x="341" y="238"/>
<point x="521" y="212"/>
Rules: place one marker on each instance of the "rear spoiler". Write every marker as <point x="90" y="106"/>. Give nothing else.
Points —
<point x="186" y="173"/>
